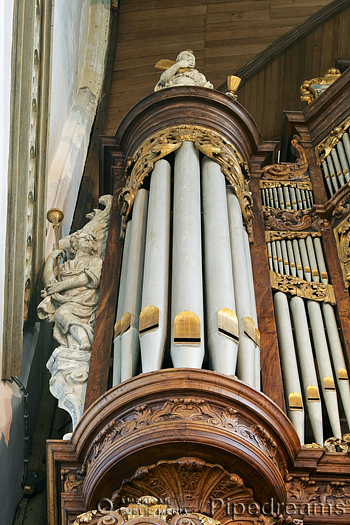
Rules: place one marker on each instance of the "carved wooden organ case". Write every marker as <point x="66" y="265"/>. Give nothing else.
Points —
<point x="234" y="403"/>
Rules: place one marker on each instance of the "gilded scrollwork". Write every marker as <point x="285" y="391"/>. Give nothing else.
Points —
<point x="342" y="236"/>
<point x="271" y="236"/>
<point x="276" y="219"/>
<point x="334" y="444"/>
<point x="311" y="89"/>
<point x="325" y="147"/>
<point x="300" y="288"/>
<point x="290" y="184"/>
<point x="287" y="170"/>
<point x="207" y="142"/>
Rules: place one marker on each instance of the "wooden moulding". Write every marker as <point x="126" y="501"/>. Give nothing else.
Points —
<point x="191" y="106"/>
<point x="175" y="413"/>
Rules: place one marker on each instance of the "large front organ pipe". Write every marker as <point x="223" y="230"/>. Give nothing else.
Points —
<point x="324" y="366"/>
<point x="246" y="349"/>
<point x="120" y="308"/>
<point x="187" y="331"/>
<point x="289" y="364"/>
<point x="133" y="287"/>
<point x="308" y="372"/>
<point x="222" y="343"/>
<point x="153" y="318"/>
<point x="253" y="304"/>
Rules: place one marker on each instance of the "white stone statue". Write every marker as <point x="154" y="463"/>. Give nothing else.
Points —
<point x="71" y="305"/>
<point x="181" y="72"/>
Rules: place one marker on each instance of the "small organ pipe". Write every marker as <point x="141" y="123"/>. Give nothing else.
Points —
<point x="320" y="260"/>
<point x="305" y="260"/>
<point x="271" y="197"/>
<point x="299" y="199"/>
<point x="346" y="142"/>
<point x="269" y="253"/>
<point x="312" y="258"/>
<point x="285" y="257"/>
<point x="303" y="198"/>
<point x="120" y="308"/>
<point x="246" y="349"/>
<point x="133" y="287"/>
<point x="293" y="198"/>
<point x="308" y="201"/>
<point x="324" y="366"/>
<point x="337" y="358"/>
<point x="292" y="265"/>
<point x="263" y="197"/>
<point x="327" y="177"/>
<point x="218" y="268"/>
<point x="187" y="347"/>
<point x="307" y="367"/>
<point x="297" y="259"/>
<point x="337" y="167"/>
<point x="279" y="256"/>
<point x="286" y="198"/>
<point x="274" y="256"/>
<point x="268" y="198"/>
<point x="289" y="363"/>
<point x="156" y="268"/>
<point x="281" y="199"/>
<point x="343" y="160"/>
<point x="332" y="175"/>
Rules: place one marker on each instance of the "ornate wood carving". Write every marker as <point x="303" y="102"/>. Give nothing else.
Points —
<point x="186" y="484"/>
<point x="289" y="171"/>
<point x="72" y="479"/>
<point x="342" y="236"/>
<point x="324" y="148"/>
<point x="295" y="286"/>
<point x="271" y="236"/>
<point x="311" y="89"/>
<point x="305" y="185"/>
<point x="276" y="219"/>
<point x="334" y="444"/>
<point x="209" y="143"/>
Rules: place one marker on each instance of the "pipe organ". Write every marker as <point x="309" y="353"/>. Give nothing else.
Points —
<point x="224" y="303"/>
<point x="211" y="307"/>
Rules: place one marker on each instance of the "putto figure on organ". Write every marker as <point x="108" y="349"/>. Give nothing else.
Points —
<point x="193" y="172"/>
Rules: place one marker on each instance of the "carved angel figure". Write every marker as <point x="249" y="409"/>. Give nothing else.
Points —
<point x="181" y="72"/>
<point x="71" y="303"/>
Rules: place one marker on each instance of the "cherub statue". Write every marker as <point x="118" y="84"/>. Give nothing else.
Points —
<point x="71" y="303"/>
<point x="181" y="72"/>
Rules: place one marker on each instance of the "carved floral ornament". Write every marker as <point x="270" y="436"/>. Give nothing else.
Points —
<point x="300" y="288"/>
<point x="207" y="142"/>
<point x="188" y="409"/>
<point x="342" y="236"/>
<point x="276" y="219"/>
<point x="325" y="147"/>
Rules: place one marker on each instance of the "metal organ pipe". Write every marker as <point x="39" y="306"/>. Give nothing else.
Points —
<point x="153" y="317"/>
<point x="187" y="334"/>
<point x="246" y="349"/>
<point x="289" y="364"/>
<point x="132" y="302"/>
<point x="222" y="326"/>
<point x="308" y="372"/>
<point x="120" y="308"/>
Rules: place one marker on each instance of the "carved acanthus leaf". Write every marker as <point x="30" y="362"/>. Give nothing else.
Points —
<point x="325" y="147"/>
<point x="300" y="288"/>
<point x="185" y="409"/>
<point x="342" y="236"/>
<point x="287" y="170"/>
<point x="72" y="479"/>
<point x="289" y="184"/>
<point x="343" y="208"/>
<point x="334" y="444"/>
<point x="276" y="219"/>
<point x="207" y="142"/>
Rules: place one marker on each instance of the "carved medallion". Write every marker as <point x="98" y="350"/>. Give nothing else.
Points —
<point x="313" y="88"/>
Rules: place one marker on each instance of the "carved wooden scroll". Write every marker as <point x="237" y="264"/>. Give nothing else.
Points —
<point x="313" y="88"/>
<point x="288" y="170"/>
<point x="308" y="290"/>
<point x="207" y="142"/>
<point x="276" y="219"/>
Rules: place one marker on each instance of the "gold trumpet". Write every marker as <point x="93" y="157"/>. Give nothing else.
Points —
<point x="55" y="216"/>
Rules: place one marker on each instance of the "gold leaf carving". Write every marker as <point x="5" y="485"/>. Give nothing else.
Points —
<point x="276" y="219"/>
<point x="300" y="288"/>
<point x="290" y="184"/>
<point x="342" y="236"/>
<point x="271" y="236"/>
<point x="289" y="171"/>
<point x="309" y="89"/>
<point x="325" y="147"/>
<point x="207" y="142"/>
